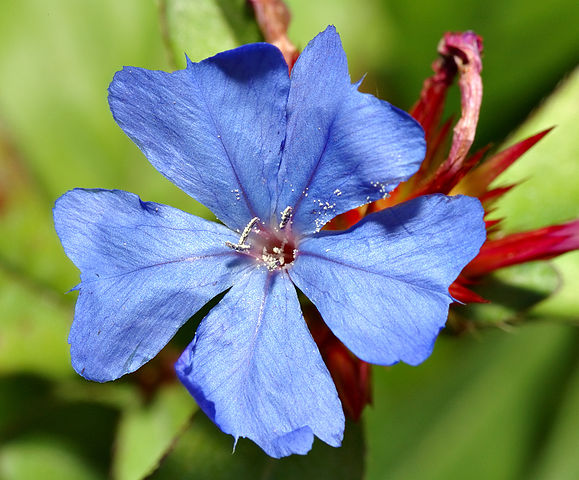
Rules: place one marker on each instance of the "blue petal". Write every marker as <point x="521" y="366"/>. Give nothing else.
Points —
<point x="145" y="270"/>
<point x="256" y="371"/>
<point x="382" y="286"/>
<point x="214" y="129"/>
<point x="343" y="148"/>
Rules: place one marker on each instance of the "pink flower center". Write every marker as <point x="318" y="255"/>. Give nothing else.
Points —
<point x="273" y="247"/>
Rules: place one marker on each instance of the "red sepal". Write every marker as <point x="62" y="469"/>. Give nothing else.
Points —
<point x="462" y="294"/>
<point x="539" y="244"/>
<point x="477" y="181"/>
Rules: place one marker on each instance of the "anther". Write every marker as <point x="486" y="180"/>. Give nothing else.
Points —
<point x="247" y="230"/>
<point x="238" y="247"/>
<point x="285" y="217"/>
<point x="241" y="245"/>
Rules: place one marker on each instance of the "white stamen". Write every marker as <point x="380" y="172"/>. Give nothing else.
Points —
<point x="237" y="247"/>
<point x="285" y="216"/>
<point x="241" y="246"/>
<point x="247" y="230"/>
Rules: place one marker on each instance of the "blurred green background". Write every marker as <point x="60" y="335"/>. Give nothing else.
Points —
<point x="500" y="403"/>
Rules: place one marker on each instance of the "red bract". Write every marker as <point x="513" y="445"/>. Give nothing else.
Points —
<point x="539" y="244"/>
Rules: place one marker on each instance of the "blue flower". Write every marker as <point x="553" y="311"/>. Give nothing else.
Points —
<point x="275" y="157"/>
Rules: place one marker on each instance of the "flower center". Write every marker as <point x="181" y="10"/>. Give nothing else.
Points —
<point x="278" y="253"/>
<point x="273" y="247"/>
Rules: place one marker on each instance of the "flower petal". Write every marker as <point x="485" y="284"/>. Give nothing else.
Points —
<point x="256" y="371"/>
<point x="382" y="286"/>
<point x="343" y="148"/>
<point x="145" y="270"/>
<point x="214" y="129"/>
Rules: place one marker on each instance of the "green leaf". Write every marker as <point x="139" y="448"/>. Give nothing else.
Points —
<point x="547" y="173"/>
<point x="559" y="460"/>
<point x="205" y="27"/>
<point x="478" y="408"/>
<point x="20" y="397"/>
<point x="43" y="457"/>
<point x="513" y="291"/>
<point x="118" y="395"/>
<point x="548" y="192"/>
<point x="38" y="423"/>
<point x="203" y="452"/>
<point x="34" y="329"/>
<point x="147" y="431"/>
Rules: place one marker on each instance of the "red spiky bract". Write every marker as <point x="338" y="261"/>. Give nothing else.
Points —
<point x="461" y="293"/>
<point x="539" y="244"/>
<point x="477" y="182"/>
